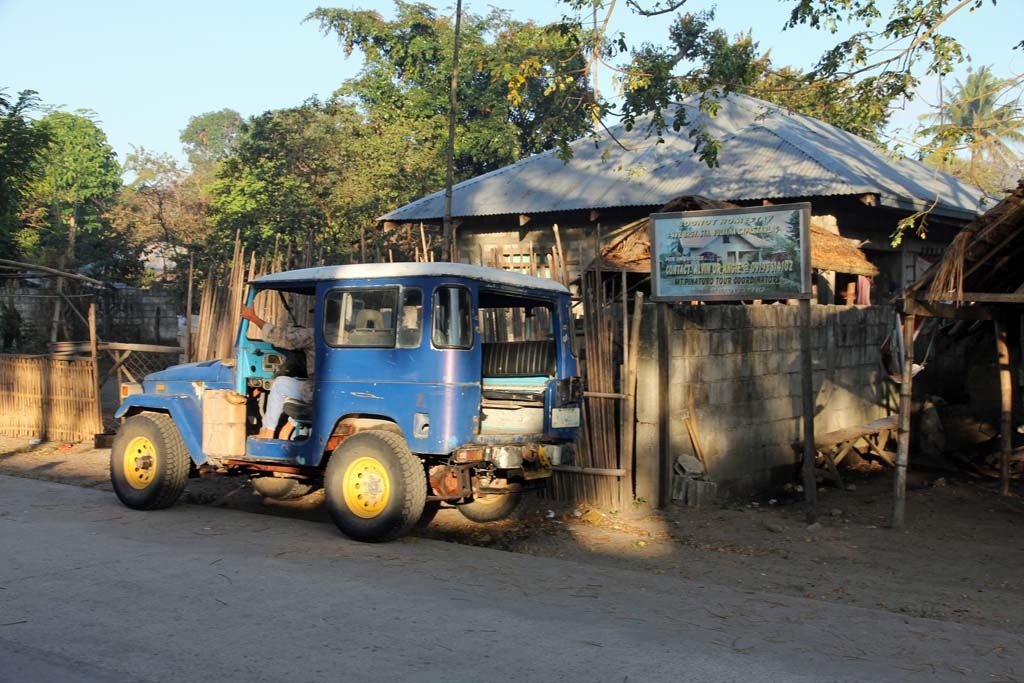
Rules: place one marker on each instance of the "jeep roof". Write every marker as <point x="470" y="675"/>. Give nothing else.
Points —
<point x="365" y="271"/>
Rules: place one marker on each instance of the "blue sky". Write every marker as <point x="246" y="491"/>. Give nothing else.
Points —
<point x="145" y="68"/>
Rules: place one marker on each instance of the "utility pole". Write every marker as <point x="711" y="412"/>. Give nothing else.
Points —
<point x="448" y="230"/>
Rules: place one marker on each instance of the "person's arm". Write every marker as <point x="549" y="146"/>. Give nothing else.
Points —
<point x="249" y="313"/>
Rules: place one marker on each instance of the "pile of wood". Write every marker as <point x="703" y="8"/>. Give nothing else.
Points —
<point x="222" y="298"/>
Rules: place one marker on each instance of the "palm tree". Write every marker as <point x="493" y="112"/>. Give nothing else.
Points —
<point x="974" y="118"/>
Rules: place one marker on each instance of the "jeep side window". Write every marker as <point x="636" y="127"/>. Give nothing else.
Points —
<point x="360" y="317"/>
<point x="410" y="328"/>
<point x="452" y="328"/>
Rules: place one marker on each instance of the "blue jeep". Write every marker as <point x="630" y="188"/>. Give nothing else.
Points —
<point x="436" y="383"/>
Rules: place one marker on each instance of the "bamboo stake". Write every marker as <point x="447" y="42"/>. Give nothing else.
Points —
<point x="1006" y="408"/>
<point x="95" y="381"/>
<point x="629" y="420"/>
<point x="188" y="310"/>
<point x="807" y="391"/>
<point x="563" y="275"/>
<point x="903" y="434"/>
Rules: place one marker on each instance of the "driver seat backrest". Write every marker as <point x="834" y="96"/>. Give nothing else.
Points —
<point x="369" y="319"/>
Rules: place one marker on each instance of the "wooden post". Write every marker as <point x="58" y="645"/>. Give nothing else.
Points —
<point x="664" y="451"/>
<point x="903" y="433"/>
<point x="187" y="341"/>
<point x="563" y="271"/>
<point x="1006" y="407"/>
<point x="629" y="414"/>
<point x="851" y="293"/>
<point x="807" y="390"/>
<point x="94" y="353"/>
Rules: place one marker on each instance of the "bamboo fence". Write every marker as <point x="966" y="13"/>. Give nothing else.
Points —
<point x="49" y="398"/>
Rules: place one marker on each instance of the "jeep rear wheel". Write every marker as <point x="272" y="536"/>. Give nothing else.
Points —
<point x="375" y="487"/>
<point x="280" y="488"/>
<point x="149" y="462"/>
<point x="491" y="507"/>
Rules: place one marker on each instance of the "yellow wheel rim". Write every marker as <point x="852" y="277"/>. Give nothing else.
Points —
<point x="140" y="462"/>
<point x="367" y="487"/>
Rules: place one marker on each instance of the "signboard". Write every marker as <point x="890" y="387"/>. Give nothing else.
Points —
<point x="762" y="252"/>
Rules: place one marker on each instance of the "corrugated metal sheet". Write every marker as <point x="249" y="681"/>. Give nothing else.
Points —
<point x="767" y="153"/>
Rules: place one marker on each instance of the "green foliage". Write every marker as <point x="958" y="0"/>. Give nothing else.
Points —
<point x="851" y="85"/>
<point x="293" y="180"/>
<point x="311" y="180"/>
<point x="21" y="144"/>
<point x="980" y="118"/>
<point x="509" y="104"/>
<point x="76" y="179"/>
<point x="209" y="137"/>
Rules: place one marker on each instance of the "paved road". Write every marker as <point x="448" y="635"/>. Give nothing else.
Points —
<point x="92" y="591"/>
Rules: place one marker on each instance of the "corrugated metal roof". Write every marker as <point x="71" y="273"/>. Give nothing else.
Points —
<point x="767" y="153"/>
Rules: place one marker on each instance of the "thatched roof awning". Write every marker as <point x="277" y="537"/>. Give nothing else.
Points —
<point x="629" y="248"/>
<point x="830" y="251"/>
<point x="984" y="258"/>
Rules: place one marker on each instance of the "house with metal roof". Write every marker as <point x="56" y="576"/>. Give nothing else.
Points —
<point x="509" y="217"/>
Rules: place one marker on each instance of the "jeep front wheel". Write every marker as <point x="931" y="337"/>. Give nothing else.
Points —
<point x="375" y="487"/>
<point x="149" y="462"/>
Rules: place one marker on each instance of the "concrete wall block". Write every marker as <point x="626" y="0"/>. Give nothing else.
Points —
<point x="843" y="357"/>
<point x="765" y="339"/>
<point x="789" y="316"/>
<point x="857" y="336"/>
<point x="820" y="314"/>
<point x="789" y="362"/>
<point x="721" y="342"/>
<point x="778" y="408"/>
<point x="739" y="317"/>
<point x="767" y="387"/>
<point x="820" y="337"/>
<point x="696" y="343"/>
<point x="691" y="317"/>
<point x="762" y="363"/>
<point x="727" y="367"/>
<point x="789" y="339"/>
<point x="759" y="316"/>
<point x="746" y="340"/>
<point x="713" y="314"/>
<point x="729" y="392"/>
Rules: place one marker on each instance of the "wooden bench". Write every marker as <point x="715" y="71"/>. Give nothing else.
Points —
<point x="868" y="438"/>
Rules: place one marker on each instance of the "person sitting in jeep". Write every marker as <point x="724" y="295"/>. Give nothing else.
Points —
<point x="284" y="387"/>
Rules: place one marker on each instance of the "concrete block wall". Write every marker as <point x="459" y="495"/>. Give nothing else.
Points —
<point x="742" y="365"/>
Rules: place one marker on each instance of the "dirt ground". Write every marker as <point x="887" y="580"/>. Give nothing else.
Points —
<point x="958" y="559"/>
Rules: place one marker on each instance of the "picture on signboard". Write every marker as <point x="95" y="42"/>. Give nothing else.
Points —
<point x="731" y="254"/>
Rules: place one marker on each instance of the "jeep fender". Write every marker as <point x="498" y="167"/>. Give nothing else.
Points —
<point x="184" y="410"/>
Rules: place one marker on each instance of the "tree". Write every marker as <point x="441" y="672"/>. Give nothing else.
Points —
<point x="881" y="61"/>
<point x="508" y="105"/>
<point x="976" y="118"/>
<point x="209" y="137"/>
<point x="21" y="144"/>
<point x="77" y="180"/>
<point x="312" y="178"/>
<point x="163" y="208"/>
<point x="287" y="179"/>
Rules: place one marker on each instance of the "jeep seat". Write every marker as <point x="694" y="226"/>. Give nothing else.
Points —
<point x="298" y="410"/>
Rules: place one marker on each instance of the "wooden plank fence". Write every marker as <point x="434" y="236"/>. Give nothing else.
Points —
<point x="49" y="398"/>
